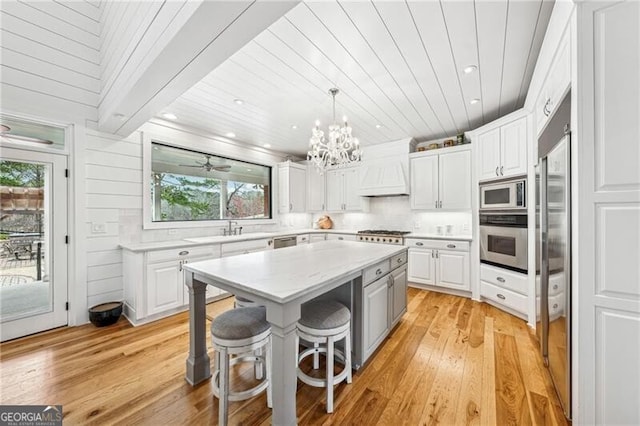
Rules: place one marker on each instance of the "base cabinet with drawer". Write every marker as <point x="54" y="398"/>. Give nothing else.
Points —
<point x="504" y="289"/>
<point x="154" y="281"/>
<point x="437" y="264"/>
<point x="383" y="300"/>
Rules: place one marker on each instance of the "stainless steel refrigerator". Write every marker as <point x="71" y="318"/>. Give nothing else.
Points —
<point x="553" y="246"/>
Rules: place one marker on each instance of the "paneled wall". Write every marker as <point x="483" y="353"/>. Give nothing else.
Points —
<point x="113" y="186"/>
<point x="50" y="59"/>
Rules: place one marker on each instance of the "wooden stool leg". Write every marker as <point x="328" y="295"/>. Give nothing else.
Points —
<point x="347" y="356"/>
<point x="330" y="362"/>
<point x="268" y="354"/>
<point x="316" y="356"/>
<point x="223" y="399"/>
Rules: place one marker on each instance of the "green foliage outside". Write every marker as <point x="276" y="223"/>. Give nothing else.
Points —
<point x="21" y="174"/>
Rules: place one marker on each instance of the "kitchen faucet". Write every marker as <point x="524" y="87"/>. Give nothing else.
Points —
<point x="230" y="230"/>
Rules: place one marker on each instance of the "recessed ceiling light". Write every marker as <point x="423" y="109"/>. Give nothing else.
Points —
<point x="238" y="101"/>
<point x="230" y="135"/>
<point x="169" y="116"/>
<point x="469" y="69"/>
<point x="378" y="126"/>
<point x="267" y="145"/>
<point x="474" y="101"/>
<point x="294" y="126"/>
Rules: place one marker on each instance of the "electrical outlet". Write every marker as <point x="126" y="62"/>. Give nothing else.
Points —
<point x="98" y="228"/>
<point x="416" y="225"/>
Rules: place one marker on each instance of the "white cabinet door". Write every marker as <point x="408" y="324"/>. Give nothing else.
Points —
<point x="334" y="190"/>
<point x="164" y="286"/>
<point x="317" y="237"/>
<point x="376" y="325"/>
<point x="453" y="269"/>
<point x="421" y="266"/>
<point x="489" y="154"/>
<point x="291" y="188"/>
<point x="315" y="190"/>
<point x="513" y="148"/>
<point x="455" y="180"/>
<point x="398" y="294"/>
<point x="351" y="189"/>
<point x="424" y="182"/>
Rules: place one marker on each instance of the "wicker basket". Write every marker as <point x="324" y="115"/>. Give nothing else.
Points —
<point x="325" y="222"/>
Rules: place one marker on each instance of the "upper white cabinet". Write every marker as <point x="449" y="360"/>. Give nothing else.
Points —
<point x="292" y="185"/>
<point x="385" y="169"/>
<point x="503" y="150"/>
<point x="441" y="180"/>
<point x="316" y="190"/>
<point x="342" y="190"/>
<point x="556" y="84"/>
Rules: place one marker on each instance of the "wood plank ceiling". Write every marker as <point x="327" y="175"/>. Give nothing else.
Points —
<point x="399" y="67"/>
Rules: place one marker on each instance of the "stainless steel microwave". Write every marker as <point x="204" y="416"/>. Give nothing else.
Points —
<point x="505" y="195"/>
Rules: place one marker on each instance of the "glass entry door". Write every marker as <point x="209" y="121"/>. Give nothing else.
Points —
<point x="33" y="255"/>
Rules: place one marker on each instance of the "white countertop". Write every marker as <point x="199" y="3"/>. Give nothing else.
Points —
<point x="219" y="239"/>
<point x="286" y="274"/>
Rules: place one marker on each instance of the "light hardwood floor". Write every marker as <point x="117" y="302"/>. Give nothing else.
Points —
<point x="449" y="361"/>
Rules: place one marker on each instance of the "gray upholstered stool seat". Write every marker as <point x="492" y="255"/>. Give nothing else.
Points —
<point x="240" y="323"/>
<point x="243" y="302"/>
<point x="323" y="323"/>
<point x="324" y="314"/>
<point x="240" y="335"/>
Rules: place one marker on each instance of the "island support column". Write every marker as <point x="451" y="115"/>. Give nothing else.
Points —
<point x="198" y="362"/>
<point x="283" y="362"/>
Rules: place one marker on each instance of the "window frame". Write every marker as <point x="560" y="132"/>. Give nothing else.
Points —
<point x="147" y="209"/>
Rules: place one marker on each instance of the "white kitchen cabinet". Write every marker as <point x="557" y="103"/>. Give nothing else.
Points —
<point x="313" y="238"/>
<point x="154" y="281"/>
<point x="292" y="187"/>
<point x="303" y="239"/>
<point x="398" y="294"/>
<point x="342" y="190"/>
<point x="244" y="247"/>
<point x="344" y="237"/>
<point x="439" y="264"/>
<point x="505" y="289"/>
<point x="376" y="318"/>
<point x="503" y="150"/>
<point x="316" y="189"/>
<point x="441" y="181"/>
<point x="384" y="301"/>
<point x="556" y="84"/>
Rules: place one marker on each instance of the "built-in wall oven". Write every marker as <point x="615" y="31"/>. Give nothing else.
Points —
<point x="503" y="240"/>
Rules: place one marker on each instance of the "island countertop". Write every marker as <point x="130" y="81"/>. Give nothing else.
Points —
<point x="289" y="273"/>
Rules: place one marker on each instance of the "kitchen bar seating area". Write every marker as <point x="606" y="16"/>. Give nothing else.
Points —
<point x="449" y="359"/>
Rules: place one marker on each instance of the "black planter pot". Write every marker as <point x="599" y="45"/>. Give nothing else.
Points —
<point x="105" y="313"/>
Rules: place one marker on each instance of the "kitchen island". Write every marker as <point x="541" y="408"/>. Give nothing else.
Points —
<point x="282" y="280"/>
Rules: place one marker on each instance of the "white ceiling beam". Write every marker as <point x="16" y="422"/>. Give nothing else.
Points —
<point x="209" y="37"/>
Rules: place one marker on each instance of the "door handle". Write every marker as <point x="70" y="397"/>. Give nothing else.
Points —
<point x="180" y="265"/>
<point x="436" y="204"/>
<point x="440" y="204"/>
<point x="290" y="206"/>
<point x="437" y="254"/>
<point x="497" y="174"/>
<point x="433" y="254"/>
<point x="501" y="170"/>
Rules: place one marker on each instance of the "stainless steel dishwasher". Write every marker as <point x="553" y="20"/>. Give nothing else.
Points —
<point x="280" y="242"/>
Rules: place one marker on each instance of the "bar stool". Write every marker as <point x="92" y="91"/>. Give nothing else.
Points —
<point x="323" y="323"/>
<point x="242" y="302"/>
<point x="240" y="332"/>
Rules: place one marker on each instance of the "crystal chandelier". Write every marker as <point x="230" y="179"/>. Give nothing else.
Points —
<point x="338" y="149"/>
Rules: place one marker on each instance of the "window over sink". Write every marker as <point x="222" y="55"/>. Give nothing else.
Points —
<point x="187" y="186"/>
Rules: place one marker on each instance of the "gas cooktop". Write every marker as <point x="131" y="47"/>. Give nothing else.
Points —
<point x="382" y="236"/>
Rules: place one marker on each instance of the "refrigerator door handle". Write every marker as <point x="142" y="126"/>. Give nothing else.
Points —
<point x="544" y="260"/>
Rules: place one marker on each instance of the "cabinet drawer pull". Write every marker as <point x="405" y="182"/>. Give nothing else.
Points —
<point x="500" y="296"/>
<point x="400" y="260"/>
<point x="419" y="244"/>
<point x="341" y="238"/>
<point x="501" y="279"/>
<point x="555" y="306"/>
<point x="451" y="246"/>
<point x="183" y="253"/>
<point x="378" y="271"/>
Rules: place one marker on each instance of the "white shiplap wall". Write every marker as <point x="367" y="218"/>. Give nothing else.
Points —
<point x="49" y="59"/>
<point x="113" y="169"/>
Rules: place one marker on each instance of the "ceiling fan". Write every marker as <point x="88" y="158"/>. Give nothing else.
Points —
<point x="208" y="166"/>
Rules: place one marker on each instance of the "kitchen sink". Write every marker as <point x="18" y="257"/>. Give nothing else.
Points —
<point x="224" y="238"/>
